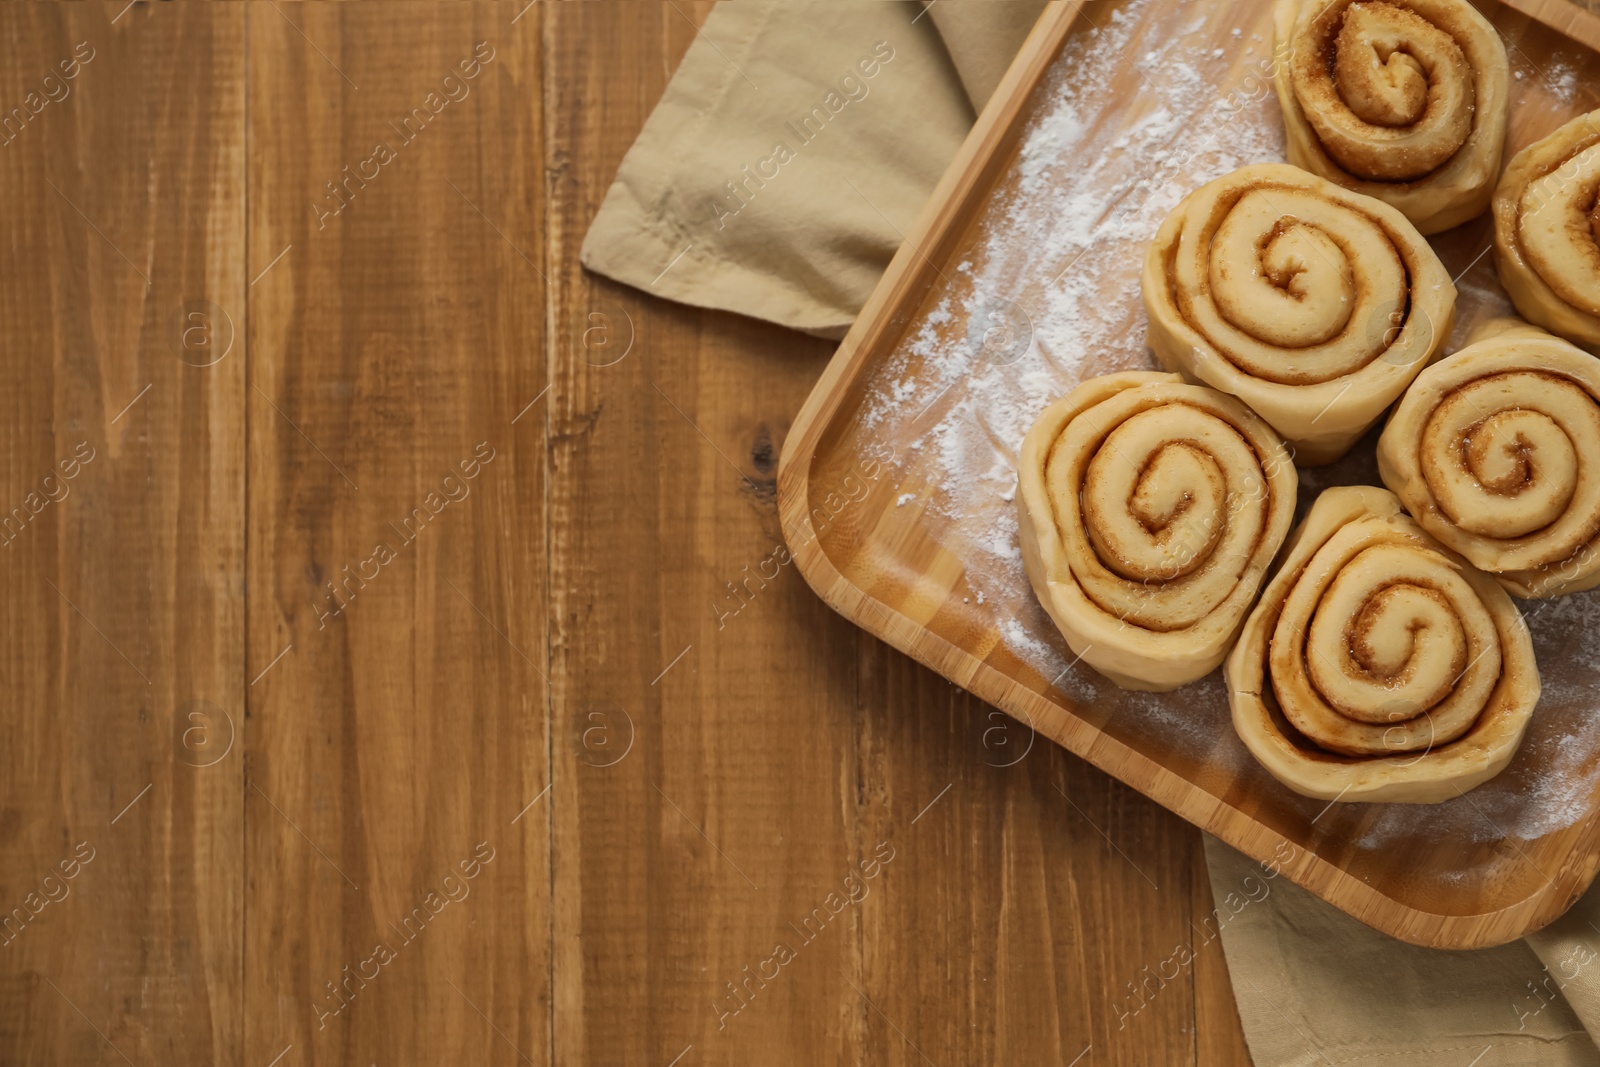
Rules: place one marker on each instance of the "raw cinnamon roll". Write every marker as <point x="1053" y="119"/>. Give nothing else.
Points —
<point x="1496" y="452"/>
<point x="1150" y="511"/>
<point x="1314" y="305"/>
<point x="1547" y="231"/>
<point x="1380" y="666"/>
<point x="1404" y="100"/>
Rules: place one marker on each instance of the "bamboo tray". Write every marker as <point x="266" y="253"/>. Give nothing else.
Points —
<point x="1020" y="279"/>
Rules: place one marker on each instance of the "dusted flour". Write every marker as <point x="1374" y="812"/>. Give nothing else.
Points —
<point x="1056" y="265"/>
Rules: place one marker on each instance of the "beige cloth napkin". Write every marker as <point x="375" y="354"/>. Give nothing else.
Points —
<point x="1315" y="986"/>
<point x="793" y="147"/>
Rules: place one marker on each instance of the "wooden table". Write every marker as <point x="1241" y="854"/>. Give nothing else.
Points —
<point x="373" y="687"/>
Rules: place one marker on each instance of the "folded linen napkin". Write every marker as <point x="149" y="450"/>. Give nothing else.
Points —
<point x="719" y="204"/>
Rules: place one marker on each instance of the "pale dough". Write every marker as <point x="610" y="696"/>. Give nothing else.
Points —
<point x="1496" y="452"/>
<point x="1314" y="305"/>
<point x="1403" y="100"/>
<point x="1150" y="510"/>
<point x="1380" y="666"/>
<point x="1547" y="231"/>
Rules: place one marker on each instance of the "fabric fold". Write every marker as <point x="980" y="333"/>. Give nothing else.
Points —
<point x="1314" y="986"/>
<point x="776" y="178"/>
<point x="778" y="173"/>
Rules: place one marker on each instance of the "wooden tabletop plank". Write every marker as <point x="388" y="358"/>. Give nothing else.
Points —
<point x="397" y="901"/>
<point x="121" y="542"/>
<point x="1032" y="891"/>
<point x="679" y="869"/>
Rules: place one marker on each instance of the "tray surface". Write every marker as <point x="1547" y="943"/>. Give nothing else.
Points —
<point x="1021" y="280"/>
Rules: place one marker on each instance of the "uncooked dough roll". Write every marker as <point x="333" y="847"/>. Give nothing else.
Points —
<point x="1404" y="100"/>
<point x="1379" y="666"/>
<point x="1547" y="231"/>
<point x="1496" y="452"/>
<point x="1150" y="510"/>
<point x="1314" y="305"/>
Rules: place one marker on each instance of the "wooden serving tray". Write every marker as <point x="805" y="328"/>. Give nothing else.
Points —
<point x="1019" y="280"/>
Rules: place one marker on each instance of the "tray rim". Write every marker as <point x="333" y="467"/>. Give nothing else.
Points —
<point x="940" y="221"/>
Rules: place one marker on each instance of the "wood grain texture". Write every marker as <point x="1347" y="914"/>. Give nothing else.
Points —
<point x="1566" y="17"/>
<point x="397" y="538"/>
<point x="123" y="574"/>
<point x="678" y="867"/>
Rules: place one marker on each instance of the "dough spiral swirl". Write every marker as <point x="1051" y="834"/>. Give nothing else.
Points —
<point x="1403" y="100"/>
<point x="1150" y="511"/>
<point x="1547" y="231"/>
<point x="1314" y="305"/>
<point x="1496" y="452"/>
<point x="1378" y="665"/>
